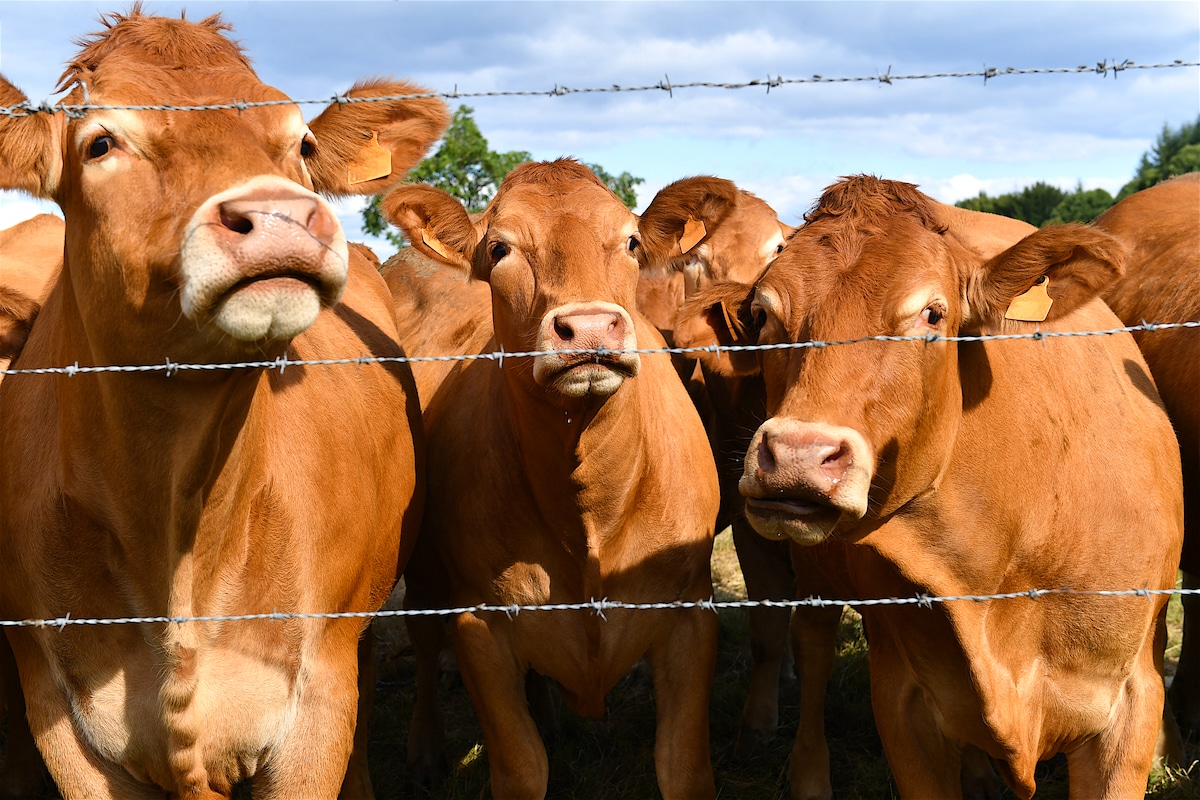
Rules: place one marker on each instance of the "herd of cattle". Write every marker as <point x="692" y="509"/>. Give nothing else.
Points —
<point x="872" y="469"/>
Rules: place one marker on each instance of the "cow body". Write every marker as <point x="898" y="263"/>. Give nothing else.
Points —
<point x="967" y="469"/>
<point x="553" y="481"/>
<point x="1161" y="227"/>
<point x="197" y="237"/>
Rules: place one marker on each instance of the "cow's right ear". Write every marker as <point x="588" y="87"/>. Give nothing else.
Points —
<point x="681" y="216"/>
<point x="16" y="318"/>
<point x="435" y="224"/>
<point x="720" y="314"/>
<point x="30" y="155"/>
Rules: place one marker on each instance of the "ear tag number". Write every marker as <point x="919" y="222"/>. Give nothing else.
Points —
<point x="1033" y="306"/>
<point x="374" y="161"/>
<point x="693" y="232"/>
<point x="434" y="243"/>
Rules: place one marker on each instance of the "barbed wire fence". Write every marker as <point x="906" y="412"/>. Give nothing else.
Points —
<point x="600" y="606"/>
<point x="1103" y="68"/>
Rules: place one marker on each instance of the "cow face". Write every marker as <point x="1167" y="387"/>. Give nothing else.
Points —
<point x="210" y="214"/>
<point x="858" y="430"/>
<point x="561" y="254"/>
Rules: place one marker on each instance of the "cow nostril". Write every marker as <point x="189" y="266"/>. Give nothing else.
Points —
<point x="238" y="223"/>
<point x="562" y="330"/>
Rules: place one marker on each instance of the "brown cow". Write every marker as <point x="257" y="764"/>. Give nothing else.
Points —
<point x="739" y="236"/>
<point x="965" y="469"/>
<point x="1161" y="227"/>
<point x="31" y="254"/>
<point x="557" y="478"/>
<point x="197" y="236"/>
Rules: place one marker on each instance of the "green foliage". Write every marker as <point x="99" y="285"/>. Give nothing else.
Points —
<point x="1081" y="206"/>
<point x="1174" y="153"/>
<point x="1033" y="204"/>
<point x="463" y="166"/>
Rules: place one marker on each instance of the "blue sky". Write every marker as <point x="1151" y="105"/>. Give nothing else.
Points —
<point x="952" y="136"/>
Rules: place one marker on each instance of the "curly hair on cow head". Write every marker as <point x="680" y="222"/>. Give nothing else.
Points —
<point x="167" y="42"/>
<point x="870" y="198"/>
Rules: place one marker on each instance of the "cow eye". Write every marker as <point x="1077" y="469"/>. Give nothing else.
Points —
<point x="779" y="248"/>
<point x="932" y="315"/>
<point x="634" y="244"/>
<point x="498" y="251"/>
<point x="101" y="145"/>
<point x="306" y="148"/>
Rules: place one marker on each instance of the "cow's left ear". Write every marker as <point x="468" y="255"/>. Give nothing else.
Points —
<point x="719" y="314"/>
<point x="435" y="223"/>
<point x="681" y="217"/>
<point x="1067" y="265"/>
<point x="366" y="147"/>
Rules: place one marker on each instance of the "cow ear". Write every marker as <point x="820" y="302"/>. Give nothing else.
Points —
<point x="1045" y="276"/>
<point x="681" y="217"/>
<point x="16" y="318"/>
<point x="719" y="314"/>
<point x="366" y="147"/>
<point x="435" y="224"/>
<point x="30" y="153"/>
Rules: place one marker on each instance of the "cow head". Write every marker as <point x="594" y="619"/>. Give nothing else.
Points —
<point x="858" y="430"/>
<point x="711" y="231"/>
<point x="560" y="251"/>
<point x="214" y="215"/>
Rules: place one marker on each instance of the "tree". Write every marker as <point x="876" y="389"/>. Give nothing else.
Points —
<point x="1081" y="206"/>
<point x="1033" y="204"/>
<point x="1174" y="153"/>
<point x="465" y="168"/>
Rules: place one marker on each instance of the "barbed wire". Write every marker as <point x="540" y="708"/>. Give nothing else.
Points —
<point x="599" y="607"/>
<point x="281" y="363"/>
<point x="1102" y="68"/>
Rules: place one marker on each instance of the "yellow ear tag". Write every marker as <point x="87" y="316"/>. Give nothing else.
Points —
<point x="1033" y="306"/>
<point x="374" y="161"/>
<point x="693" y="232"/>
<point x="433" y="243"/>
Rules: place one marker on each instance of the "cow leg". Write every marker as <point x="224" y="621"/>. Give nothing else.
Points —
<point x="24" y="772"/>
<point x="1116" y="763"/>
<point x="767" y="570"/>
<point x="814" y="640"/>
<point x="426" y="733"/>
<point x="925" y="764"/>
<point x="496" y="682"/>
<point x="979" y="780"/>
<point x="312" y="760"/>
<point x="357" y="783"/>
<point x="683" y="667"/>
<point x="1185" y="688"/>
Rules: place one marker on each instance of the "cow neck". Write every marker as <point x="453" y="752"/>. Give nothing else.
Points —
<point x="589" y="449"/>
<point x="144" y="453"/>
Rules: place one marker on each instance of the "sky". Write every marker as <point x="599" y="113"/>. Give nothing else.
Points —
<point x="954" y="137"/>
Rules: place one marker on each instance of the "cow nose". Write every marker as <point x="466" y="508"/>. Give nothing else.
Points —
<point x="808" y="453"/>
<point x="277" y="217"/>
<point x="589" y="331"/>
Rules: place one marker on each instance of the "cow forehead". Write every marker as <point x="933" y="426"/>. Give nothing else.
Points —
<point x="884" y="269"/>
<point x="555" y="215"/>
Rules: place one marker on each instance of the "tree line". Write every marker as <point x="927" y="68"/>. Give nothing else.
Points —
<point x="1174" y="153"/>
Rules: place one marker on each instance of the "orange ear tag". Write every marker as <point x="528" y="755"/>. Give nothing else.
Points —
<point x="1033" y="306"/>
<point x="374" y="161"/>
<point x="434" y="243"/>
<point x="693" y="232"/>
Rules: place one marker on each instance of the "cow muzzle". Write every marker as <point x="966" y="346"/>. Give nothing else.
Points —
<point x="603" y="327"/>
<point x="801" y="479"/>
<point x="260" y="260"/>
